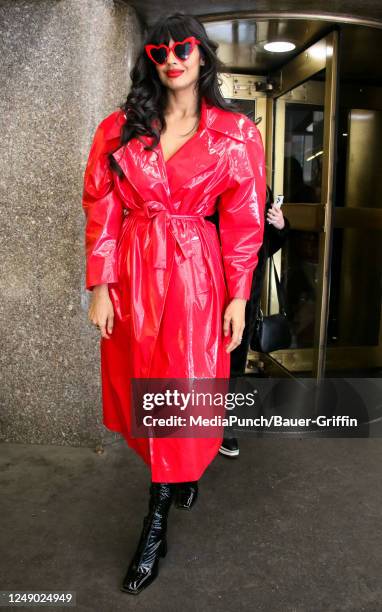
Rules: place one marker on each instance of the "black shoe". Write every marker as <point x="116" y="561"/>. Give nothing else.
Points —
<point x="152" y="545"/>
<point x="229" y="447"/>
<point x="186" y="494"/>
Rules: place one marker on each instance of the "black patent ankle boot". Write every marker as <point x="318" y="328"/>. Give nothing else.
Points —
<point x="152" y="545"/>
<point x="186" y="494"/>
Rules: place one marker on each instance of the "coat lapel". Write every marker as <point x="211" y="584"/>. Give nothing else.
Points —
<point x="143" y="169"/>
<point x="146" y="170"/>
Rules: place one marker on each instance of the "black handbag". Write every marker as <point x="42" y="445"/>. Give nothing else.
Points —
<point x="272" y="333"/>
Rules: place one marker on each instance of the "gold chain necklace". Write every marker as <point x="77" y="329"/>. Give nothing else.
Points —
<point x="192" y="129"/>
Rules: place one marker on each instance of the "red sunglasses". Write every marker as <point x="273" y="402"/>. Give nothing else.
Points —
<point x="182" y="50"/>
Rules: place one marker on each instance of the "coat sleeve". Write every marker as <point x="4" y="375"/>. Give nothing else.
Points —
<point x="241" y="214"/>
<point x="277" y="237"/>
<point x="103" y="210"/>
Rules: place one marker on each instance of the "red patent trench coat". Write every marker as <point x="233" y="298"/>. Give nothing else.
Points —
<point x="169" y="277"/>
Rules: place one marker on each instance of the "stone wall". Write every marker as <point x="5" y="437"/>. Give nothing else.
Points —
<point x="64" y="66"/>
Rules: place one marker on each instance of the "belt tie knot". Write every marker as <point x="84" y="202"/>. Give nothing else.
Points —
<point x="161" y="217"/>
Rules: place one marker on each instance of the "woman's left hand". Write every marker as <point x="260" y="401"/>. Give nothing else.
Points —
<point x="276" y="217"/>
<point x="234" y="316"/>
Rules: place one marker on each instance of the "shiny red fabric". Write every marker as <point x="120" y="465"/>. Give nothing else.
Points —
<point x="169" y="277"/>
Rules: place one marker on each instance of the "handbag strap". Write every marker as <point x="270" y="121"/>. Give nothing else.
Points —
<point x="279" y="288"/>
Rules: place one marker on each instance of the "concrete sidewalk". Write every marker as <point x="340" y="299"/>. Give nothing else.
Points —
<point x="291" y="525"/>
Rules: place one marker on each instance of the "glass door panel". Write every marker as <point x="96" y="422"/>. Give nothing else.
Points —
<point x="354" y="340"/>
<point x="303" y="140"/>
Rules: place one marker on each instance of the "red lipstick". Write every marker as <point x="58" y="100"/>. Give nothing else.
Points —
<point x="174" y="73"/>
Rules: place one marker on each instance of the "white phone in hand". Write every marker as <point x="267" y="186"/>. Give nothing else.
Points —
<point x="279" y="201"/>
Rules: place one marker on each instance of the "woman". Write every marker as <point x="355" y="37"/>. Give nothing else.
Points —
<point x="168" y="300"/>
<point x="276" y="231"/>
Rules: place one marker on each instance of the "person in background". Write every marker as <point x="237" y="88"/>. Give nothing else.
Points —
<point x="275" y="232"/>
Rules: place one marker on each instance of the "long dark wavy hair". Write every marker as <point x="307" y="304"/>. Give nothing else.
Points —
<point x="147" y="99"/>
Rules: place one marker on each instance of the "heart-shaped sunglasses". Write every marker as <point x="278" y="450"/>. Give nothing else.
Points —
<point x="182" y="50"/>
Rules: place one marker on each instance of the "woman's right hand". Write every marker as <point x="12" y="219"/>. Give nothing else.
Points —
<point x="101" y="311"/>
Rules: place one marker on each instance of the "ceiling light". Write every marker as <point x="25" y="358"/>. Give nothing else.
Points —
<point x="279" y="46"/>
